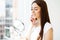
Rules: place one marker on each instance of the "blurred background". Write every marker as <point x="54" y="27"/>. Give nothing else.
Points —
<point x="21" y="10"/>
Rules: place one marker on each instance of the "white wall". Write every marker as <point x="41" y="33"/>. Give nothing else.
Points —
<point x="2" y="8"/>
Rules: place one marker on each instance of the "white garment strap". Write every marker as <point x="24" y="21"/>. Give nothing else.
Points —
<point x="47" y="27"/>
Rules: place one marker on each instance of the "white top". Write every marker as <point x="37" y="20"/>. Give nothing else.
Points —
<point x="36" y="31"/>
<point x="47" y="26"/>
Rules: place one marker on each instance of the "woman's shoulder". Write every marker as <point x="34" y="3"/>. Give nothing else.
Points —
<point x="47" y="26"/>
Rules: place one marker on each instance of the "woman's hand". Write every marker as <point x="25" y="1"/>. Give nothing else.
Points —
<point x="33" y="20"/>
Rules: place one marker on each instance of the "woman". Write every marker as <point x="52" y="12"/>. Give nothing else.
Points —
<point x="41" y="26"/>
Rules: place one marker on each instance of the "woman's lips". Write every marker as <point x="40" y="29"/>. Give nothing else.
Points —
<point x="33" y="18"/>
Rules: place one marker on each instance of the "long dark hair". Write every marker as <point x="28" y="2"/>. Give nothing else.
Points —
<point x="44" y="15"/>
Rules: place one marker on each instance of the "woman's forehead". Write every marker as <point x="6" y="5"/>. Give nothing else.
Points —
<point x="34" y="5"/>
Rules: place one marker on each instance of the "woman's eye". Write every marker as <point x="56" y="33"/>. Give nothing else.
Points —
<point x="36" y="9"/>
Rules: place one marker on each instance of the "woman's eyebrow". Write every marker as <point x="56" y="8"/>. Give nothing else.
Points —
<point x="34" y="7"/>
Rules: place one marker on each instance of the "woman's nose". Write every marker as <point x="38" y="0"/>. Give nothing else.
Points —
<point x="33" y="11"/>
<point x="33" y="16"/>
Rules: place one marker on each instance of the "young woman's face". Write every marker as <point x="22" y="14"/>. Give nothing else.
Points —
<point x="36" y="10"/>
